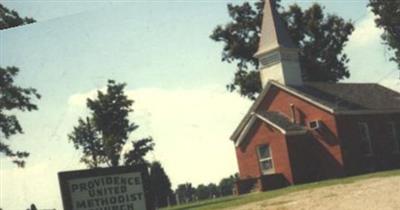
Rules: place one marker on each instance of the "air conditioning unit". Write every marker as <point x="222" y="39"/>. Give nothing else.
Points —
<point x="315" y="124"/>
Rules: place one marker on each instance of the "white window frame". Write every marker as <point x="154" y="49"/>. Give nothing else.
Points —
<point x="368" y="137"/>
<point x="270" y="158"/>
<point x="395" y="136"/>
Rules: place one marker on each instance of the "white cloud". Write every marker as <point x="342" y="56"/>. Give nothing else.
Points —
<point x="79" y="99"/>
<point x="392" y="83"/>
<point x="365" y="31"/>
<point x="37" y="183"/>
<point x="369" y="57"/>
<point x="191" y="129"/>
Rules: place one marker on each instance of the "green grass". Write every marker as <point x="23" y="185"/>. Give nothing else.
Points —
<point x="233" y="201"/>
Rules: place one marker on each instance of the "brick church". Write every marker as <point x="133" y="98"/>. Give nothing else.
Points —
<point x="298" y="132"/>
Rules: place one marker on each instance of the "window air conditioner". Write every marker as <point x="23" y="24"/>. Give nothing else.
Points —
<point x="315" y="124"/>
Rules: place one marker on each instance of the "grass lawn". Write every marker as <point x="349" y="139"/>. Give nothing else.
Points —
<point x="232" y="201"/>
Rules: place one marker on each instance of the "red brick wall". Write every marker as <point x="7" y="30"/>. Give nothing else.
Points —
<point x="325" y="141"/>
<point x="320" y="159"/>
<point x="332" y="151"/>
<point x="311" y="161"/>
<point x="260" y="134"/>
<point x="383" y="157"/>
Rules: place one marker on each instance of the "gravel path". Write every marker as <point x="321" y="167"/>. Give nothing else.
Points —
<point x="371" y="194"/>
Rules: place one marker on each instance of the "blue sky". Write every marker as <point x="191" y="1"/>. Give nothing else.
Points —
<point x="173" y="72"/>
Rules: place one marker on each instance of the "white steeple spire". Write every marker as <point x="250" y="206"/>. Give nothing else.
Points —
<point x="277" y="53"/>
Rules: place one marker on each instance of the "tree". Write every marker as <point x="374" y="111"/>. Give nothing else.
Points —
<point x="160" y="184"/>
<point x="388" y="18"/>
<point x="214" y="191"/>
<point x="33" y="207"/>
<point x="85" y="135"/>
<point x="226" y="185"/>
<point x="140" y="149"/>
<point x="103" y="135"/>
<point x="12" y="98"/>
<point x="320" y="38"/>
<point x="185" y="193"/>
<point x="11" y="18"/>
<point x="202" y="192"/>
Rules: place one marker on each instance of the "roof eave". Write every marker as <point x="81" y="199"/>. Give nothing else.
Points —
<point x="253" y="107"/>
<point x="253" y="118"/>
<point x="316" y="103"/>
<point x="283" y="131"/>
<point x="361" y="112"/>
<point x="244" y="132"/>
<point x="259" y="99"/>
<point x="296" y="133"/>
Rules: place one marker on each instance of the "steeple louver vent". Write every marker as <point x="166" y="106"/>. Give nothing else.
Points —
<point x="271" y="59"/>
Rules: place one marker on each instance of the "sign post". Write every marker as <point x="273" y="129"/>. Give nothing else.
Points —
<point x="116" y="188"/>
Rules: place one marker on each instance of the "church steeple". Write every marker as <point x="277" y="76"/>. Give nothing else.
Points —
<point x="277" y="53"/>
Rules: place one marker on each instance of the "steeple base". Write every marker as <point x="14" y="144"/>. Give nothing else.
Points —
<point x="281" y="65"/>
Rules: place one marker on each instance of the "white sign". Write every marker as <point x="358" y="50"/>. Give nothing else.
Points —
<point x="110" y="192"/>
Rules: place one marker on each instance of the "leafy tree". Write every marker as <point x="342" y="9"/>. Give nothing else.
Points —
<point x="320" y="38"/>
<point x="388" y="18"/>
<point x="85" y="135"/>
<point x="185" y="193"/>
<point x="12" y="98"/>
<point x="11" y="18"/>
<point x="140" y="149"/>
<point x="209" y="191"/>
<point x="160" y="184"/>
<point x="226" y="185"/>
<point x="202" y="192"/>
<point x="214" y="191"/>
<point x="103" y="135"/>
<point x="33" y="207"/>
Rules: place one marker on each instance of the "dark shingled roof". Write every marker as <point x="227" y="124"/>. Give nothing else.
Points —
<point x="275" y="119"/>
<point x="337" y="98"/>
<point x="351" y="96"/>
<point x="281" y="121"/>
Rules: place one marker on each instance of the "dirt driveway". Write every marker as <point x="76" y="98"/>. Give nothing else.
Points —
<point x="371" y="194"/>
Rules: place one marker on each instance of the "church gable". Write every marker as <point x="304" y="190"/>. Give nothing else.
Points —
<point x="273" y="120"/>
<point x="296" y="109"/>
<point x="319" y="101"/>
<point x="274" y="99"/>
<point x="262" y="134"/>
<point x="258" y="127"/>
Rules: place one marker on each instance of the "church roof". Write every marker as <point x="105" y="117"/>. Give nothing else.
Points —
<point x="336" y="98"/>
<point x="274" y="33"/>
<point x="280" y="121"/>
<point x="351" y="96"/>
<point x="276" y="120"/>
